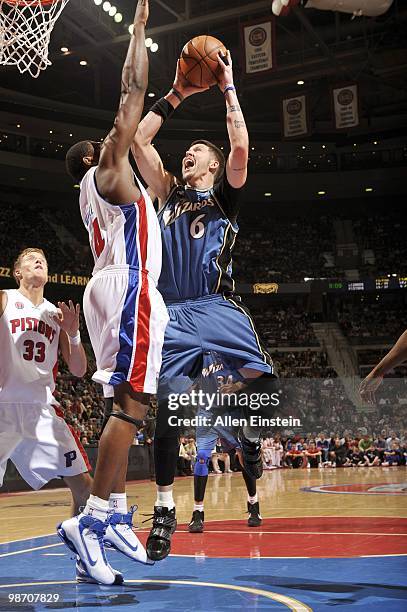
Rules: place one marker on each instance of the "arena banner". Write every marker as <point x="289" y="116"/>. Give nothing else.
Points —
<point x="258" y="44"/>
<point x="346" y="106"/>
<point x="54" y="278"/>
<point x="265" y="288"/>
<point x="295" y="117"/>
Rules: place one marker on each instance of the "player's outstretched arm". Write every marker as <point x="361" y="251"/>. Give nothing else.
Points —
<point x="236" y="166"/>
<point x="396" y="356"/>
<point x="148" y="160"/>
<point x="70" y="340"/>
<point x="116" y="146"/>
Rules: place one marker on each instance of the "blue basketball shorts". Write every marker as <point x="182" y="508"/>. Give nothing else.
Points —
<point x="203" y="326"/>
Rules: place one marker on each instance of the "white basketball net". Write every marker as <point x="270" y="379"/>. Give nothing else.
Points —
<point x="25" y="30"/>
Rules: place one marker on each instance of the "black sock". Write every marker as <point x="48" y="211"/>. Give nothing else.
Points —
<point x="200" y="487"/>
<point x="250" y="483"/>
<point x="165" y="458"/>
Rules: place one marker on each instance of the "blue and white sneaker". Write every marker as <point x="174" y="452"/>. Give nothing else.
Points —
<point x="82" y="575"/>
<point x="120" y="536"/>
<point x="83" y="534"/>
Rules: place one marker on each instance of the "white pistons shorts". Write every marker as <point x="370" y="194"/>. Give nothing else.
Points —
<point x="40" y="443"/>
<point x="126" y="319"/>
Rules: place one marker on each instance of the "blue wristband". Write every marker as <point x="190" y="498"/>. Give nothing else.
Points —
<point x="230" y="88"/>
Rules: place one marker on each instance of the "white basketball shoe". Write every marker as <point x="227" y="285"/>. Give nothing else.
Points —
<point x="120" y="536"/>
<point x="83" y="534"/>
<point x="82" y="575"/>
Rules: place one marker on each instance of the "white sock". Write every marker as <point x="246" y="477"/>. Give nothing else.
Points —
<point x="165" y="499"/>
<point x="118" y="502"/>
<point x="97" y="507"/>
<point x="199" y="506"/>
<point x="252" y="500"/>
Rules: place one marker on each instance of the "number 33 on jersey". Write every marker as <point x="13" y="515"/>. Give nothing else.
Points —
<point x="29" y="337"/>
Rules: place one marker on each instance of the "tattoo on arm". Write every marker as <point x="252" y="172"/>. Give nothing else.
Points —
<point x="239" y="169"/>
<point x="233" y="109"/>
<point x="238" y="124"/>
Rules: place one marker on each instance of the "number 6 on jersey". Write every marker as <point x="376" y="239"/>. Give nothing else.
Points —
<point x="197" y="228"/>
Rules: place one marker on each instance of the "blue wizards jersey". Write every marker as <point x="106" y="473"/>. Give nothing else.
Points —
<point x="198" y="231"/>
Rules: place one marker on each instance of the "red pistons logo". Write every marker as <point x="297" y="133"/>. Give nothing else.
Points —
<point x="19" y="305"/>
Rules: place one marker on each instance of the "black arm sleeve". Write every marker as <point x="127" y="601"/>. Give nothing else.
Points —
<point x="229" y="198"/>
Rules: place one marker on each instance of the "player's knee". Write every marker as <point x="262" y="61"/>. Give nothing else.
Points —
<point x="201" y="464"/>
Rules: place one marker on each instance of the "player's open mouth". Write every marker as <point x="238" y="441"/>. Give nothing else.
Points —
<point x="189" y="163"/>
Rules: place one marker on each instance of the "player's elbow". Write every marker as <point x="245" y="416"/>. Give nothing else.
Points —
<point x="133" y="82"/>
<point x="239" y="154"/>
<point x="240" y="148"/>
<point x="139" y="84"/>
<point x="139" y="143"/>
<point x="143" y="135"/>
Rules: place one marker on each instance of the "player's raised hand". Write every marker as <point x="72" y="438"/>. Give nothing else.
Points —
<point x="142" y="12"/>
<point x="67" y="317"/>
<point x="369" y="386"/>
<point x="183" y="86"/>
<point x="226" y="71"/>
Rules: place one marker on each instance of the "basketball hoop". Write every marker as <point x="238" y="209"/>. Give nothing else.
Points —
<point x="25" y="30"/>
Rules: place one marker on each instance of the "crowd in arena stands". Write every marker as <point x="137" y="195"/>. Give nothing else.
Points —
<point x="366" y="322"/>
<point x="288" y="326"/>
<point x="83" y="405"/>
<point x="310" y="391"/>
<point x="384" y="235"/>
<point x="276" y="250"/>
<point x="34" y="226"/>
<point x="368" y="358"/>
<point x="20" y="231"/>
<point x="299" y="364"/>
<point x="355" y="438"/>
<point x="320" y="450"/>
<point x="284" y="252"/>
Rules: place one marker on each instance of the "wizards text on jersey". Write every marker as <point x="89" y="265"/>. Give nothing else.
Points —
<point x="197" y="240"/>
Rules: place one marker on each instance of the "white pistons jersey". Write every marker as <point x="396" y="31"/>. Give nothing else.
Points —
<point x="29" y="338"/>
<point x="121" y="235"/>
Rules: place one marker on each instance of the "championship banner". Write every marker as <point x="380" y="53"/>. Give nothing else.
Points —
<point x="265" y="288"/>
<point x="258" y="41"/>
<point x="295" y="120"/>
<point x="346" y="107"/>
<point x="55" y="278"/>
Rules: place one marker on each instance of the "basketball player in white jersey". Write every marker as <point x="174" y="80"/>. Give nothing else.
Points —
<point x="33" y="433"/>
<point x="125" y="315"/>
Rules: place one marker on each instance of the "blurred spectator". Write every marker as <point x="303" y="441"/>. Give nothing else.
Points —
<point x="219" y="454"/>
<point x="184" y="462"/>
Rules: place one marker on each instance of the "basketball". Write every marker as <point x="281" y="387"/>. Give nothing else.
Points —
<point x="199" y="60"/>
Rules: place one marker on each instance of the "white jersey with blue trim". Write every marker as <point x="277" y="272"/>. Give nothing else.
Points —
<point x="126" y="234"/>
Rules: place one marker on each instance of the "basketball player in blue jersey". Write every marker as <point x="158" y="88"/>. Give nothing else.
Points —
<point x="124" y="312"/>
<point x="198" y="219"/>
<point x="215" y="375"/>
